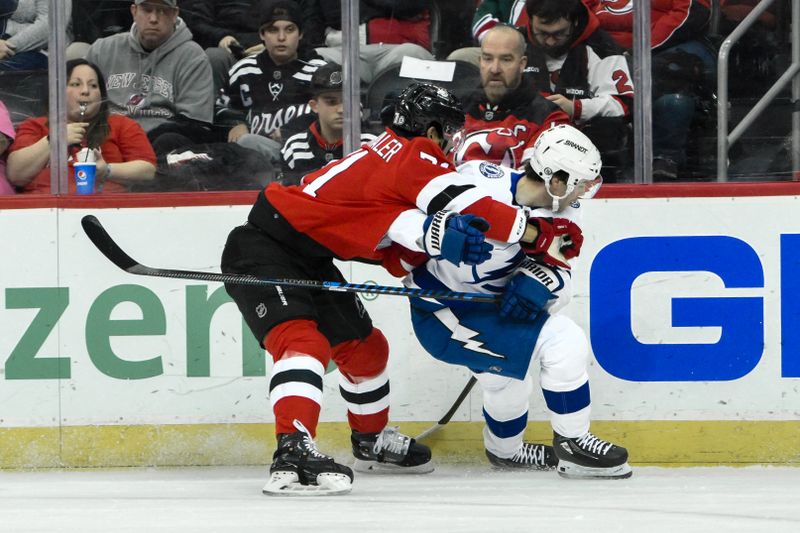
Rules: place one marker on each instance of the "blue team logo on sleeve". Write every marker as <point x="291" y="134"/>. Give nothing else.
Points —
<point x="490" y="170"/>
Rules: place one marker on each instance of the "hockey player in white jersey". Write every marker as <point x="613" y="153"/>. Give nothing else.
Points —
<point x="500" y="345"/>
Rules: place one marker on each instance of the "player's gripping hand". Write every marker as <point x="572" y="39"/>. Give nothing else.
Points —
<point x="565" y="247"/>
<point x="456" y="238"/>
<point x="525" y="296"/>
<point x="572" y="240"/>
<point x="547" y="231"/>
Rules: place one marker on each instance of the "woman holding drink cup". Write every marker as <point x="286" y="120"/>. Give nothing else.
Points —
<point x="117" y="144"/>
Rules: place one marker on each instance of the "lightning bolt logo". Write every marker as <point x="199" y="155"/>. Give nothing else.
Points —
<point x="463" y="334"/>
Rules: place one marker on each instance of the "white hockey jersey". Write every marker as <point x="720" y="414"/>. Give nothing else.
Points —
<point x="474" y="334"/>
<point x="492" y="275"/>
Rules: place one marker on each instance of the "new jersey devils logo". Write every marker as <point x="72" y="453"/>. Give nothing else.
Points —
<point x="617" y="7"/>
<point x="135" y="103"/>
<point x="499" y="145"/>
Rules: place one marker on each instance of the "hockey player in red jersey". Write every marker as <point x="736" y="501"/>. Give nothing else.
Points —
<point x="357" y="208"/>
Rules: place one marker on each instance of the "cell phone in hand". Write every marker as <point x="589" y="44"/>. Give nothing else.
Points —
<point x="237" y="50"/>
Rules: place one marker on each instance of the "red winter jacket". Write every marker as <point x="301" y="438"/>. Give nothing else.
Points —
<point x="671" y="21"/>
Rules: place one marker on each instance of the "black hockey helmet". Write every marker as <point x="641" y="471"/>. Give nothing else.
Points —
<point x="422" y="105"/>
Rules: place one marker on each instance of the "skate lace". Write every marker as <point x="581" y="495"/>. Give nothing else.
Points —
<point x="391" y="440"/>
<point x="308" y="443"/>
<point x="530" y="454"/>
<point x="594" y="445"/>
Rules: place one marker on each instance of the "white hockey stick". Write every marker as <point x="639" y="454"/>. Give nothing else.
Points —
<point x="449" y="414"/>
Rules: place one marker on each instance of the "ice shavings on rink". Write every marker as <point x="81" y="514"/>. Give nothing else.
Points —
<point x="452" y="499"/>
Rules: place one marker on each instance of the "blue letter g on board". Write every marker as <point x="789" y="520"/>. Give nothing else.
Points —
<point x="741" y="319"/>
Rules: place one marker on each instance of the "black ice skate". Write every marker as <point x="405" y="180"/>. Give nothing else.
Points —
<point x="530" y="456"/>
<point x="590" y="457"/>
<point x="299" y="469"/>
<point x="390" y="452"/>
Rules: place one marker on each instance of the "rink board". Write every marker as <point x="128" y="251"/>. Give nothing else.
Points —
<point x="692" y="321"/>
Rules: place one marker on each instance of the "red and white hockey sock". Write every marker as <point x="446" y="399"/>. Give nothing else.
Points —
<point x="295" y="387"/>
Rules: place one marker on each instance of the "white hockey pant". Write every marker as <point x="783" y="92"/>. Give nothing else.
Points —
<point x="562" y="352"/>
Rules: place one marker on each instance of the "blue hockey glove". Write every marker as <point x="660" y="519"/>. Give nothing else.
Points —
<point x="526" y="294"/>
<point x="456" y="238"/>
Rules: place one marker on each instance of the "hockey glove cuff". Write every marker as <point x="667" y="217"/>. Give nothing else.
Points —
<point x="456" y="238"/>
<point x="526" y="295"/>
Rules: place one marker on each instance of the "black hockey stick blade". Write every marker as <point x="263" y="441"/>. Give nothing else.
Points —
<point x="105" y="243"/>
<point x="449" y="414"/>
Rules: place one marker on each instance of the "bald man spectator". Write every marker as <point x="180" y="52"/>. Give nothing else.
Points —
<point x="507" y="113"/>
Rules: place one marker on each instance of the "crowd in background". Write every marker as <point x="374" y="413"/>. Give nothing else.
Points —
<point x="231" y="94"/>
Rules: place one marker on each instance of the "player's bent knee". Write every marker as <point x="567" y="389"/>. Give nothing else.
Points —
<point x="363" y="358"/>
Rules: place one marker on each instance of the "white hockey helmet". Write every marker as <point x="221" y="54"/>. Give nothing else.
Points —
<point x="564" y="148"/>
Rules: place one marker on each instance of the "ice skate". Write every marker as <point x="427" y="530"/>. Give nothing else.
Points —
<point x="530" y="456"/>
<point x="590" y="457"/>
<point x="390" y="452"/>
<point x="300" y="469"/>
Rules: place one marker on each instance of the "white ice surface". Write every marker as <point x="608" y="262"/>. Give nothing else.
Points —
<point x="452" y="499"/>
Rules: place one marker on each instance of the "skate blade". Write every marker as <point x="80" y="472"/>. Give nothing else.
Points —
<point x="288" y="484"/>
<point x="374" y="467"/>
<point x="573" y="471"/>
<point x="522" y="468"/>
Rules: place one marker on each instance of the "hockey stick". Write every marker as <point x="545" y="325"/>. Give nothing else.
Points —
<point x="103" y="241"/>
<point x="449" y="414"/>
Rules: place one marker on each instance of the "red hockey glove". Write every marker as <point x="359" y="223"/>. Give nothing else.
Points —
<point x="549" y="229"/>
<point x="572" y="241"/>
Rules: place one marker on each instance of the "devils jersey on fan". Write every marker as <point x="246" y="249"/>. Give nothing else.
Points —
<point x="593" y="72"/>
<point x="268" y="96"/>
<point x="504" y="132"/>
<point x="358" y="206"/>
<point x="671" y="21"/>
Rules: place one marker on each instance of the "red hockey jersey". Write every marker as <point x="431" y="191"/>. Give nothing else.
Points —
<point x="348" y="205"/>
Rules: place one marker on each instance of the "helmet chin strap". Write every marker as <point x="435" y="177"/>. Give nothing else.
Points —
<point x="554" y="197"/>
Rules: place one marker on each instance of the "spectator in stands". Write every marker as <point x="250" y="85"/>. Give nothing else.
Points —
<point x="584" y="72"/>
<point x="123" y="154"/>
<point x="682" y="62"/>
<point x="227" y="29"/>
<point x="489" y="14"/>
<point x="321" y="143"/>
<point x="506" y="114"/>
<point x="389" y="31"/>
<point x="7" y="135"/>
<point x="23" y="43"/>
<point x="158" y="76"/>
<point x="269" y="90"/>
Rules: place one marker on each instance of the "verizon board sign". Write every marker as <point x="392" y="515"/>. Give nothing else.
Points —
<point x="689" y="304"/>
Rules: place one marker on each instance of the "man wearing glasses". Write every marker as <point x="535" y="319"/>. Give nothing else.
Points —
<point x="584" y="72"/>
